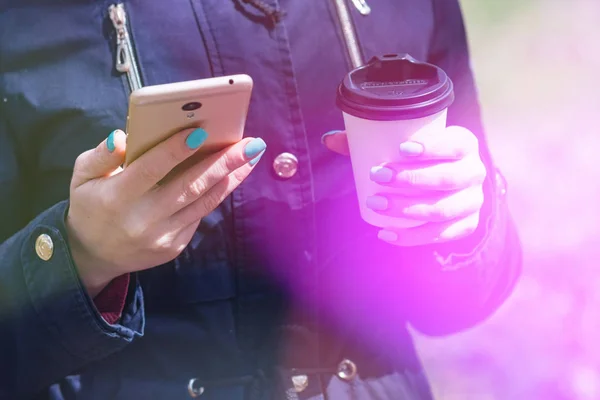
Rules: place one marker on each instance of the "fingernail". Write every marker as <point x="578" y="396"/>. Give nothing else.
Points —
<point x="381" y="174"/>
<point x="377" y="203"/>
<point x="411" y="149"/>
<point x="196" y="138"/>
<point x="330" y="133"/>
<point x="387" y="236"/>
<point x="110" y="142"/>
<point x="254" y="148"/>
<point x="257" y="158"/>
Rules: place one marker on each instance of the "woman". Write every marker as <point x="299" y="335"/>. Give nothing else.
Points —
<point x="276" y="289"/>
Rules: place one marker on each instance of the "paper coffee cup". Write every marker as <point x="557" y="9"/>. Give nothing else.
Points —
<point x="385" y="103"/>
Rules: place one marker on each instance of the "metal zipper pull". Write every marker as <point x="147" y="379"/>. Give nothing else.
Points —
<point x="362" y="7"/>
<point x="119" y="18"/>
<point x="125" y="57"/>
<point x="348" y="32"/>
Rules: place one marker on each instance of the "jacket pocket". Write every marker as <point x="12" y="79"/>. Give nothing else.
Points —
<point x="203" y="272"/>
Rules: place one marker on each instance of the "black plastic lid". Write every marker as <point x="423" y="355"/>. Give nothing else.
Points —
<point x="395" y="86"/>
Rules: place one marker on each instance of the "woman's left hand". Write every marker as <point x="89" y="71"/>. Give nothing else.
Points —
<point x="442" y="179"/>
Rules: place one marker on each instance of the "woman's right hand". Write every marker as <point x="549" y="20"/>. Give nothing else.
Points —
<point x="123" y="220"/>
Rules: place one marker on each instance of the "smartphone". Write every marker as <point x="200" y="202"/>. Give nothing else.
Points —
<point x="218" y="105"/>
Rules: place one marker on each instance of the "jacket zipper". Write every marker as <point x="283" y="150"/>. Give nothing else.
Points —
<point x="348" y="30"/>
<point x="125" y="61"/>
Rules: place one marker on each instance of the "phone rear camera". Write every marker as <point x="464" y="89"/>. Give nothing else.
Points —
<point x="231" y="81"/>
<point x="191" y="106"/>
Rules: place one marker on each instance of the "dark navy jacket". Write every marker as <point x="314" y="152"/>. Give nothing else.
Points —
<point x="283" y="282"/>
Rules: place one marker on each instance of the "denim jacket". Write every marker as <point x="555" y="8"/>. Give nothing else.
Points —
<point x="283" y="292"/>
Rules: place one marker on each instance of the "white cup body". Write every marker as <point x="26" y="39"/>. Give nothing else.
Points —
<point x="374" y="143"/>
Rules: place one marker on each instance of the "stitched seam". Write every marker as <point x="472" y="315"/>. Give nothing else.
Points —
<point x="212" y="49"/>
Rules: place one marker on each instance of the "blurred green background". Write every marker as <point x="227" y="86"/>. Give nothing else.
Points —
<point x="537" y="65"/>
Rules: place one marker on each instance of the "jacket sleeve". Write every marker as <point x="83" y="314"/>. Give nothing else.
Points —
<point x="455" y="285"/>
<point x="49" y="327"/>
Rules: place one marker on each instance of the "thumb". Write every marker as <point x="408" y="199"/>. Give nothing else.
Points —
<point x="336" y="141"/>
<point x="105" y="160"/>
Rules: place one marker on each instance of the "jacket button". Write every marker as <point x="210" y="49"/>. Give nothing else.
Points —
<point x="300" y="383"/>
<point x="44" y="247"/>
<point x="347" y="370"/>
<point x="285" y="165"/>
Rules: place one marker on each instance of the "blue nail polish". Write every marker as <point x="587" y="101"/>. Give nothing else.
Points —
<point x="196" y="138"/>
<point x="381" y="174"/>
<point x="411" y="149"/>
<point x="110" y="142"/>
<point x="387" y="236"/>
<point x="254" y="148"/>
<point x="328" y="134"/>
<point x="377" y="203"/>
<point x="256" y="159"/>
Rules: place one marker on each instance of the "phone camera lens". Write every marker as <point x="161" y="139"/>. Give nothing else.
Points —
<point x="191" y="106"/>
<point x="231" y="81"/>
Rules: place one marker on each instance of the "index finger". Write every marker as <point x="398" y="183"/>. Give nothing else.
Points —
<point x="155" y="164"/>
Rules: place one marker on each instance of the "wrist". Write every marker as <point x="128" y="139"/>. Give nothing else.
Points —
<point x="91" y="270"/>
